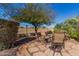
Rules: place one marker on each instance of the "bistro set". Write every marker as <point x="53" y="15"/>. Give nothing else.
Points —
<point x="56" y="40"/>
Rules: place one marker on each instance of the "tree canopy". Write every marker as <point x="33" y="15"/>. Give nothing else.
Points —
<point x="35" y="14"/>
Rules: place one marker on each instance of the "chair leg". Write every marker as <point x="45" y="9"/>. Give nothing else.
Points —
<point x="61" y="53"/>
<point x="64" y="45"/>
<point x="54" y="53"/>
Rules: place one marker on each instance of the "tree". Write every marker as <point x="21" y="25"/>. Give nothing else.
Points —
<point x="35" y="14"/>
<point x="70" y="26"/>
<point x="77" y="20"/>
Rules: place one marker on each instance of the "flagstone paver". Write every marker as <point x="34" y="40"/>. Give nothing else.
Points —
<point x="65" y="54"/>
<point x="40" y="49"/>
<point x="22" y="51"/>
<point x="75" y="47"/>
<point x="31" y="45"/>
<point x="48" y="52"/>
<point x="8" y="52"/>
<point x="39" y="54"/>
<point x="35" y="48"/>
<point x="74" y="52"/>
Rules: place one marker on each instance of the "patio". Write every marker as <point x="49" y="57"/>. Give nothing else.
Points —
<point x="35" y="48"/>
<point x="40" y="49"/>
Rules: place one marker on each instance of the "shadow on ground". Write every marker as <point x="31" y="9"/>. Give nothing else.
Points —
<point x="23" y="41"/>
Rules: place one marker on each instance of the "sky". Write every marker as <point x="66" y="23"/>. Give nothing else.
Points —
<point x="63" y="12"/>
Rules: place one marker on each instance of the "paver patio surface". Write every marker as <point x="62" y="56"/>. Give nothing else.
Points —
<point x="41" y="49"/>
<point x="35" y="48"/>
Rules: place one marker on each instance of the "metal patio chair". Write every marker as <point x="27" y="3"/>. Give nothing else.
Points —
<point x="58" y="42"/>
<point x="48" y="37"/>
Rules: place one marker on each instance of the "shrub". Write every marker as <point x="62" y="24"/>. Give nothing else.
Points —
<point x="70" y="26"/>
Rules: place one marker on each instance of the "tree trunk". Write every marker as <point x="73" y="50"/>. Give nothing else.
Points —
<point x="36" y="31"/>
<point x="26" y="31"/>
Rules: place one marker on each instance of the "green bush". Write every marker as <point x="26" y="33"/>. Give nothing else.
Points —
<point x="70" y="26"/>
<point x="77" y="36"/>
<point x="2" y="46"/>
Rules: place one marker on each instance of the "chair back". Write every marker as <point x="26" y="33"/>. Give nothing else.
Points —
<point x="39" y="34"/>
<point x="59" y="37"/>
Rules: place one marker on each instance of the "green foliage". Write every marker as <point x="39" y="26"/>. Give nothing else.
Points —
<point x="72" y="32"/>
<point x="70" y="26"/>
<point x="59" y="27"/>
<point x="2" y="46"/>
<point x="8" y="33"/>
<point x="35" y="14"/>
